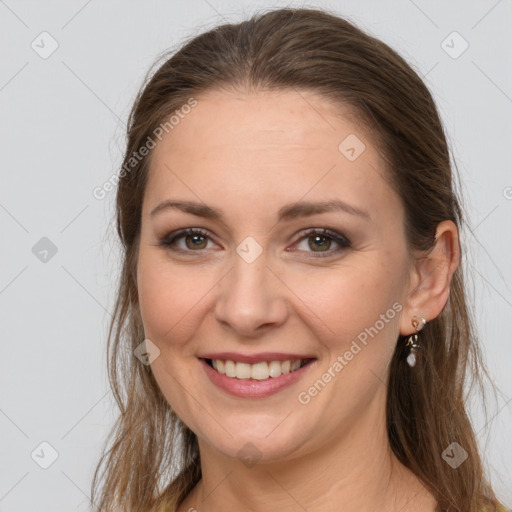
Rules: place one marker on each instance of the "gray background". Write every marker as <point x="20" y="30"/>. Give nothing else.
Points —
<point x="61" y="133"/>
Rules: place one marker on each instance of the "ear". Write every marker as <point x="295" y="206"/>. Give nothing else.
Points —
<point x="430" y="279"/>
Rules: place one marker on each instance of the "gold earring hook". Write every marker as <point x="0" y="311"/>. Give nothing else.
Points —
<point x="416" y="323"/>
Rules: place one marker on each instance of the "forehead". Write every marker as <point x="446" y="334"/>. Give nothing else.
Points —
<point x="274" y="144"/>
<point x="273" y="118"/>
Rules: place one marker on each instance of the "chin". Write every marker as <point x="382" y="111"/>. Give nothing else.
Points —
<point x="256" y="439"/>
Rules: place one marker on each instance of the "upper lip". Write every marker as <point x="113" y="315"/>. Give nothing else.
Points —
<point x="255" y="358"/>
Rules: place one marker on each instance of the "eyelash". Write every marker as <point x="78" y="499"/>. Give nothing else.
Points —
<point x="341" y="240"/>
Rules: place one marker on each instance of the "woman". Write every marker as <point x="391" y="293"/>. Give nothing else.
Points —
<point x="291" y="329"/>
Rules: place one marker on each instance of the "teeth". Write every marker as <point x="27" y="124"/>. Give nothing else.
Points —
<point x="295" y="366"/>
<point x="243" y="371"/>
<point x="275" y="368"/>
<point x="258" y="371"/>
<point x="230" y="368"/>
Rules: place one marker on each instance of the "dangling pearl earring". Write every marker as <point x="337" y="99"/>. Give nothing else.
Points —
<point x="412" y="341"/>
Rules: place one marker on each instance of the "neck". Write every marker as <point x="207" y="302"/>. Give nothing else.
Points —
<point x="356" y="472"/>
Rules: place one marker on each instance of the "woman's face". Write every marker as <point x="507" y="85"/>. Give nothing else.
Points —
<point x="261" y="283"/>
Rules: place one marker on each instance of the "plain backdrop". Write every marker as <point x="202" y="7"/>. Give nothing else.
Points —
<point x="68" y="76"/>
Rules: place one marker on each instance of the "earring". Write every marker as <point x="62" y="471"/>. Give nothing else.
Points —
<point x="412" y="341"/>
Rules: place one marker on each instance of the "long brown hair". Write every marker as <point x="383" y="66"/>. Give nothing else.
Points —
<point x="152" y="458"/>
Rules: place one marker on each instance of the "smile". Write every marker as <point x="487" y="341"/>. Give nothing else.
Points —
<point x="258" y="371"/>
<point x="256" y="379"/>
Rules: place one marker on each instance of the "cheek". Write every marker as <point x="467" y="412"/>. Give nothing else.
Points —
<point x="167" y="298"/>
<point x="358" y="302"/>
<point x="173" y="299"/>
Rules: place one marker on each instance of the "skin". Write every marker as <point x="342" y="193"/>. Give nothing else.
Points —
<point x="248" y="154"/>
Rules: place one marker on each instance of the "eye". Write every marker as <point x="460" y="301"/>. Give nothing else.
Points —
<point x="316" y="240"/>
<point x="195" y="239"/>
<point x="320" y="242"/>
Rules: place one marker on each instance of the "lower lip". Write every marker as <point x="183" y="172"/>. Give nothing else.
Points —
<point x="252" y="388"/>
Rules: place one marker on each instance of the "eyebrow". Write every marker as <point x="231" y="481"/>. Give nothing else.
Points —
<point x="287" y="212"/>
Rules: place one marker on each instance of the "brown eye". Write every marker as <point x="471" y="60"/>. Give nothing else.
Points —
<point x="195" y="240"/>
<point x="320" y="241"/>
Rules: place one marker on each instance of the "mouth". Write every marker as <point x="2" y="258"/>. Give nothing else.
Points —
<point x="255" y="375"/>
<point x="259" y="371"/>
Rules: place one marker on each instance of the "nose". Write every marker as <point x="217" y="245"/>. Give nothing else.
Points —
<point x="252" y="300"/>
